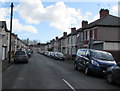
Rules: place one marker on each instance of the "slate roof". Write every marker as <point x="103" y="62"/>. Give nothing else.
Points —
<point x="109" y="20"/>
<point x="3" y="25"/>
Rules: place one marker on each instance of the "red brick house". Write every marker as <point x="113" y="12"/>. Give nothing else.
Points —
<point x="102" y="34"/>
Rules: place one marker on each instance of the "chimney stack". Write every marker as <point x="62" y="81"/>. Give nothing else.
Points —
<point x="56" y="38"/>
<point x="64" y="34"/>
<point x="73" y="30"/>
<point x="103" y="12"/>
<point x="84" y="23"/>
<point x="53" y="40"/>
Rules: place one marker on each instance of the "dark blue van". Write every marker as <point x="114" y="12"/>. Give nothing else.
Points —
<point x="94" y="61"/>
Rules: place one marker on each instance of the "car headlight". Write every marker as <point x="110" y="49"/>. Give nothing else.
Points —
<point x="94" y="63"/>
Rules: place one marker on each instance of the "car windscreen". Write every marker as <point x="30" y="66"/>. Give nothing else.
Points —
<point x="20" y="53"/>
<point x="102" y="55"/>
<point x="28" y="51"/>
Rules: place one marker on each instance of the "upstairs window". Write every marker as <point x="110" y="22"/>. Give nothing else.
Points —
<point x="81" y="36"/>
<point x="84" y="35"/>
<point x="88" y="35"/>
<point x="93" y="34"/>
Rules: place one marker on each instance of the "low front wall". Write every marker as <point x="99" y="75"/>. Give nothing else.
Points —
<point x="69" y="56"/>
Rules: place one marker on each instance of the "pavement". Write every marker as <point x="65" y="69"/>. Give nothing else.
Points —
<point x="5" y="64"/>
<point x="46" y="73"/>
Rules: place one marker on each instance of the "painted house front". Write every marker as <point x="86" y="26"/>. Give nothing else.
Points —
<point x="3" y="41"/>
<point x="63" y="46"/>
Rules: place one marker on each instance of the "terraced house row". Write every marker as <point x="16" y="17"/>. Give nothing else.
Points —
<point x="16" y="43"/>
<point x="102" y="34"/>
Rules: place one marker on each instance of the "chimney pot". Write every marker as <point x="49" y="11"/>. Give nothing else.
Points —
<point x="56" y="38"/>
<point x="84" y="23"/>
<point x="73" y="30"/>
<point x="103" y="12"/>
<point x="53" y="40"/>
<point x="64" y="34"/>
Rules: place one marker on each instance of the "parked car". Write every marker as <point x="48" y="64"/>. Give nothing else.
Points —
<point x="20" y="56"/>
<point x="42" y="52"/>
<point x="94" y="61"/>
<point x="113" y="74"/>
<point x="52" y="54"/>
<point x="46" y="53"/>
<point x="59" y="55"/>
<point x="29" y="52"/>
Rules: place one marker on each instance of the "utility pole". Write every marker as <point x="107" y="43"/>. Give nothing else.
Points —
<point x="10" y="32"/>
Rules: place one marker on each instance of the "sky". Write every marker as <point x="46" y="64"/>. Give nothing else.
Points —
<point x="43" y="20"/>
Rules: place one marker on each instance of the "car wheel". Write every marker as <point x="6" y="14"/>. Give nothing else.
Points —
<point x="87" y="71"/>
<point x="75" y="66"/>
<point x="109" y="78"/>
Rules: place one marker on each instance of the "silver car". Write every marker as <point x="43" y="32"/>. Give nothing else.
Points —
<point x="59" y="55"/>
<point x="20" y="56"/>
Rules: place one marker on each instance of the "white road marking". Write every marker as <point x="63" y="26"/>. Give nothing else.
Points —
<point x="69" y="85"/>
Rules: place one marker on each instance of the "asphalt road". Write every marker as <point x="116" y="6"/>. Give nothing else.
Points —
<point x="46" y="73"/>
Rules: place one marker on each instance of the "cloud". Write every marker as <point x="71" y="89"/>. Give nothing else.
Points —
<point x="30" y="11"/>
<point x="58" y="15"/>
<point x="88" y="13"/>
<point x="4" y="12"/>
<point x="95" y="18"/>
<point x="30" y="29"/>
<point x="116" y="10"/>
<point x="3" y="0"/>
<point x="17" y="26"/>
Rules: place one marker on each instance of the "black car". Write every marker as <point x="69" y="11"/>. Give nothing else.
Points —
<point x="93" y="61"/>
<point x="113" y="74"/>
<point x="29" y="52"/>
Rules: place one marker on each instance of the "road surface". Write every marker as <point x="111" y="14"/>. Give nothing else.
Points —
<point x="46" y="73"/>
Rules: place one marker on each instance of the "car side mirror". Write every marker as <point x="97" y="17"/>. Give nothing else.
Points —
<point x="118" y="64"/>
